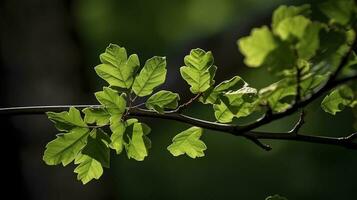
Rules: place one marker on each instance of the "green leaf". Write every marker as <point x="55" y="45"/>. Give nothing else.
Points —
<point x="257" y="46"/>
<point x="199" y="70"/>
<point x="65" y="121"/>
<point x="188" y="142"/>
<point x="152" y="75"/>
<point x="311" y="81"/>
<point x="238" y="104"/>
<point x="87" y="169"/>
<point x="97" y="147"/>
<point x="284" y="12"/>
<point x="310" y="41"/>
<point x="161" y="100"/>
<point x="114" y="103"/>
<point x="211" y="95"/>
<point x="276" y="197"/>
<point x="119" y="128"/>
<point x="65" y="147"/>
<point x="99" y="116"/>
<point x="292" y="27"/>
<point x="275" y="94"/>
<point x="339" y="11"/>
<point x="117" y="69"/>
<point x="139" y="143"/>
<point x="338" y="99"/>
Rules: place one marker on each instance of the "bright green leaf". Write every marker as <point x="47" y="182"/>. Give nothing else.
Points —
<point x="238" y="104"/>
<point x="117" y="69"/>
<point x="97" y="147"/>
<point x="87" y="169"/>
<point x="65" y="121"/>
<point x="151" y="75"/>
<point x="292" y="27"/>
<point x="284" y="12"/>
<point x="100" y="116"/>
<point x="211" y="95"/>
<point x="257" y="46"/>
<point x="119" y="128"/>
<point x="139" y="143"/>
<point x="188" y="142"/>
<point x="275" y="94"/>
<point x="199" y="70"/>
<point x="337" y="100"/>
<point x="66" y="147"/>
<point x="310" y="41"/>
<point x="161" y="100"/>
<point x="114" y="103"/>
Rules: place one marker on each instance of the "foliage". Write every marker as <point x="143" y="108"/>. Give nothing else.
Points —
<point x="304" y="54"/>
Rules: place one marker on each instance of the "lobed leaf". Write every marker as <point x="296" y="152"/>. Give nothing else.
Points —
<point x="119" y="128"/>
<point x="66" y="147"/>
<point x="340" y="11"/>
<point x="139" y="143"/>
<point x="117" y="69"/>
<point x="87" y="169"/>
<point x="114" y="103"/>
<point x="188" y="142"/>
<point x="99" y="116"/>
<point x="151" y="75"/>
<point x="199" y="70"/>
<point x="338" y="99"/>
<point x="283" y="12"/>
<point x="65" y="121"/>
<point x="161" y="100"/>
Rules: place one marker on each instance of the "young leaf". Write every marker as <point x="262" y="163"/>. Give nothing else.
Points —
<point x="65" y="121"/>
<point x="292" y="27"/>
<point x="257" y="46"/>
<point x="139" y="143"/>
<point x="152" y="75"/>
<point x="113" y="103"/>
<point x="211" y="95"/>
<point x="66" y="147"/>
<point x="100" y="116"/>
<point x="161" y="100"/>
<point x="340" y="11"/>
<point x="199" y="70"/>
<point x="97" y="147"/>
<point x="284" y="12"/>
<point x="87" y="169"/>
<point x="238" y="103"/>
<point x="275" y="93"/>
<point x="188" y="142"/>
<point x="310" y="41"/>
<point x="119" y="128"/>
<point x="117" y="69"/>
<point x="338" y="99"/>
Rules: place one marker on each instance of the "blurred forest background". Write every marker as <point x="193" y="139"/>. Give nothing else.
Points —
<point x="48" y="51"/>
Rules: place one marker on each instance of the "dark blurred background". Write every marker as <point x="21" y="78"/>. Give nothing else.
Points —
<point x="48" y="51"/>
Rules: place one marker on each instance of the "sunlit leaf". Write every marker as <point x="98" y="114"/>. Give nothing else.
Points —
<point x="188" y="142"/>
<point x="162" y="100"/>
<point x="119" y="128"/>
<point x="292" y="27"/>
<point x="151" y="75"/>
<point x="199" y="70"/>
<point x="87" y="169"/>
<point x="139" y="143"/>
<point x="338" y="99"/>
<point x="65" y="121"/>
<point x="113" y="102"/>
<point x="99" y="116"/>
<point x="66" y="147"/>
<point x="117" y="69"/>
<point x="284" y="12"/>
